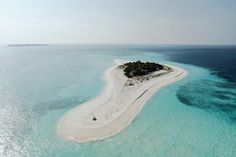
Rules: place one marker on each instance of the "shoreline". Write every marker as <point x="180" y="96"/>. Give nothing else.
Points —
<point x="115" y="108"/>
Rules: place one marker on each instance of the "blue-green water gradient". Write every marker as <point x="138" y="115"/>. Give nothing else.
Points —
<point x="39" y="84"/>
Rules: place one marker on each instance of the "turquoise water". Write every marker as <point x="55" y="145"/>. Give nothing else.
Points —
<point x="39" y="84"/>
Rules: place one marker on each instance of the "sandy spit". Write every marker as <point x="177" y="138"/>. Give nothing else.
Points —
<point x="116" y="106"/>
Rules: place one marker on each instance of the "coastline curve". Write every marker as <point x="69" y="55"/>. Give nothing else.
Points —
<point x="115" y="108"/>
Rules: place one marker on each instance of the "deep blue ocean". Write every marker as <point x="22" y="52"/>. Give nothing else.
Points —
<point x="220" y="61"/>
<point x="193" y="117"/>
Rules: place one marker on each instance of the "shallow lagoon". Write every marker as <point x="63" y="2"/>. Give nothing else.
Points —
<point x="39" y="84"/>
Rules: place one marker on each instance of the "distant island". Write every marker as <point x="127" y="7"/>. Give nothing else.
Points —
<point x="15" y="45"/>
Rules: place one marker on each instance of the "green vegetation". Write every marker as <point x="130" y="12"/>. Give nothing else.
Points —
<point x="138" y="68"/>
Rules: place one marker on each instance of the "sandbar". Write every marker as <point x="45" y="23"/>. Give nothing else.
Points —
<point x="116" y="106"/>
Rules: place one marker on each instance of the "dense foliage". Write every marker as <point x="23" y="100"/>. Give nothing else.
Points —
<point x="139" y="68"/>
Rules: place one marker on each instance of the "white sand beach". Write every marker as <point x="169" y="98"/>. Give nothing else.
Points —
<point x="116" y="106"/>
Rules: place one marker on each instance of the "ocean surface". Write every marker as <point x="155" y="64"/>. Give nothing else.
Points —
<point x="193" y="117"/>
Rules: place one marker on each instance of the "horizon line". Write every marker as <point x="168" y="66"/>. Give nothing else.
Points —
<point x="118" y="44"/>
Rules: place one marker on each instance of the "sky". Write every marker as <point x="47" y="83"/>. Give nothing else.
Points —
<point x="118" y="21"/>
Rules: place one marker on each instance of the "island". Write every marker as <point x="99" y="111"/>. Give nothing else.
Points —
<point x="128" y="86"/>
<point x="26" y="45"/>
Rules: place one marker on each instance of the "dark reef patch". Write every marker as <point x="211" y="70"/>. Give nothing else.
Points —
<point x="210" y="95"/>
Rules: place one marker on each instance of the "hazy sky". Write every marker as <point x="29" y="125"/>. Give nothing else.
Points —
<point x="118" y="21"/>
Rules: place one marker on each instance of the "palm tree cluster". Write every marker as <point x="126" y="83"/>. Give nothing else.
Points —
<point x="138" y="68"/>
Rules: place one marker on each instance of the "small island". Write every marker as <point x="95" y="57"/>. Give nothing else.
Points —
<point x="128" y="86"/>
<point x="138" y="71"/>
<point x="138" y="68"/>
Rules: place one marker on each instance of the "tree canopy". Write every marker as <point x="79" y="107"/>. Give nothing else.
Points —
<point x="138" y="68"/>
